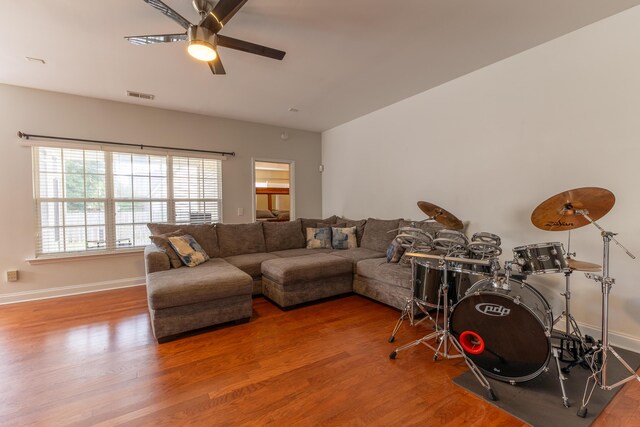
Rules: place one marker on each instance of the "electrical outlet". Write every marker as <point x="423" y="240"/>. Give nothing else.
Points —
<point x="12" y="276"/>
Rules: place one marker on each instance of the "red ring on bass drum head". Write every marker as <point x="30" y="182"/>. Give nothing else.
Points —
<point x="471" y="342"/>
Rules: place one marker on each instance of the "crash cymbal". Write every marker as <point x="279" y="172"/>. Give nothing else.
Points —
<point x="445" y="218"/>
<point x="574" y="264"/>
<point x="558" y="213"/>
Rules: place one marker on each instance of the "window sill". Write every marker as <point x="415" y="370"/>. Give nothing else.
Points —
<point x="82" y="257"/>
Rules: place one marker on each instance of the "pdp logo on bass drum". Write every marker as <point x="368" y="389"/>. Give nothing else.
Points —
<point x="493" y="309"/>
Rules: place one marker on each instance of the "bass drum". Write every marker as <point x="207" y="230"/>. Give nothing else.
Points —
<point x="505" y="330"/>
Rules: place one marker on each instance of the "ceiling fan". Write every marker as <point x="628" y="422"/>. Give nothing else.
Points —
<point x="204" y="38"/>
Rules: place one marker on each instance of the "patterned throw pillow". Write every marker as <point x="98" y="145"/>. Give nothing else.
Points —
<point x="344" y="238"/>
<point x="394" y="252"/>
<point x="162" y="242"/>
<point x="188" y="250"/>
<point x="319" y="238"/>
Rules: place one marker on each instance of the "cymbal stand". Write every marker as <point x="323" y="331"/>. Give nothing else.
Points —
<point x="409" y="308"/>
<point x="446" y="339"/>
<point x="599" y="376"/>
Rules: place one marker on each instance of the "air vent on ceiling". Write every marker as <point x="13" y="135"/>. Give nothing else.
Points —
<point x="141" y="95"/>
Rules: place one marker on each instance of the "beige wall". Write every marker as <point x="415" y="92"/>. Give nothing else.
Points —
<point x="490" y="146"/>
<point x="41" y="112"/>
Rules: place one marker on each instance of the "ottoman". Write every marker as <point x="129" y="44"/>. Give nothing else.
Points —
<point x="296" y="280"/>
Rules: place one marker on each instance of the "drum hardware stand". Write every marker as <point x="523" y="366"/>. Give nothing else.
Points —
<point x="412" y="303"/>
<point x="572" y="341"/>
<point x="446" y="338"/>
<point x="599" y="376"/>
<point x="561" y="378"/>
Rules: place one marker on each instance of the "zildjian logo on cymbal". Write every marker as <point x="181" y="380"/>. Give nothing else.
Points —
<point x="558" y="223"/>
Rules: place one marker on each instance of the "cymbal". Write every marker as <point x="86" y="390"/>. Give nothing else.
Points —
<point x="441" y="215"/>
<point x="558" y="213"/>
<point x="574" y="264"/>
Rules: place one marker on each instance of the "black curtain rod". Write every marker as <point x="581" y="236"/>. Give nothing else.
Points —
<point x="141" y="146"/>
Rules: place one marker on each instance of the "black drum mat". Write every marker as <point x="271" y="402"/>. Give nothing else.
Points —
<point x="539" y="402"/>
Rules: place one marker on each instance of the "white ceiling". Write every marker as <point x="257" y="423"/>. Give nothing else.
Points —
<point x="345" y="58"/>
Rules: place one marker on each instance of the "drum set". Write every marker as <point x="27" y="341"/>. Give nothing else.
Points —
<point x="498" y="323"/>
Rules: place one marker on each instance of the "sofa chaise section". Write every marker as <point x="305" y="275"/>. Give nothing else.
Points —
<point x="184" y="299"/>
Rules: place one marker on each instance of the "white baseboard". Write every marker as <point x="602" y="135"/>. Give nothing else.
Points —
<point x="64" y="291"/>
<point x="617" y="339"/>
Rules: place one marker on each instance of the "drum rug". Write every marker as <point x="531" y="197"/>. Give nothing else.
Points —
<point x="538" y="402"/>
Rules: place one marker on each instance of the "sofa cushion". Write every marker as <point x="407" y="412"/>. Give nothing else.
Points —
<point x="205" y="234"/>
<point x="212" y="280"/>
<point x="162" y="242"/>
<point x="358" y="223"/>
<point x="359" y="254"/>
<point x="391" y="274"/>
<point x="279" y="236"/>
<point x="378" y="233"/>
<point x="287" y="271"/>
<point x="288" y="253"/>
<point x="313" y="223"/>
<point x="250" y="263"/>
<point x="343" y="238"/>
<point x="319" y="238"/>
<point x="189" y="251"/>
<point x="239" y="239"/>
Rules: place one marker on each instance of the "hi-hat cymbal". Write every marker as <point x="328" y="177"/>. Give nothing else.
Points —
<point x="574" y="264"/>
<point x="445" y="218"/>
<point x="558" y="213"/>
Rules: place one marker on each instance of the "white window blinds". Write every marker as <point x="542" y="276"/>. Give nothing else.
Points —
<point x="91" y="200"/>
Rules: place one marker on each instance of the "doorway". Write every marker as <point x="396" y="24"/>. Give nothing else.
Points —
<point x="273" y="190"/>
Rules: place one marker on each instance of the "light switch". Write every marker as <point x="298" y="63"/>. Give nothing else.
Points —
<point x="240" y="211"/>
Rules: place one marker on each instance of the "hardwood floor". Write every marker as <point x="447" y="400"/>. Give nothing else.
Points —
<point x="92" y="360"/>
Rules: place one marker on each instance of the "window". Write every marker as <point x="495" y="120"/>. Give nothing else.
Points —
<point x="89" y="200"/>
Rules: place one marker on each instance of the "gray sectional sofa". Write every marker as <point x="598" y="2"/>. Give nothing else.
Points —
<point x="269" y="259"/>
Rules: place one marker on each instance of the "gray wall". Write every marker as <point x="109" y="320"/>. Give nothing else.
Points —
<point x="41" y="112"/>
<point x="492" y="145"/>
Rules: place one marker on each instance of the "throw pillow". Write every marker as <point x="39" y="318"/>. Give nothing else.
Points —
<point x="162" y="242"/>
<point x="188" y="250"/>
<point x="319" y="238"/>
<point x="394" y="252"/>
<point x="264" y="213"/>
<point x="343" y="238"/>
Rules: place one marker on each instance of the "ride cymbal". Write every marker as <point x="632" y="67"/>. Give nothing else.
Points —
<point x="558" y="213"/>
<point x="442" y="216"/>
<point x="576" y="265"/>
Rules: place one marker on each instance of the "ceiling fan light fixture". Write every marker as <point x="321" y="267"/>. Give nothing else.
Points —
<point x="202" y="44"/>
<point x="202" y="51"/>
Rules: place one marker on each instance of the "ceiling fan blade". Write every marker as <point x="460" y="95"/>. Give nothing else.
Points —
<point x="221" y="14"/>
<point x="167" y="11"/>
<point x="244" y="46"/>
<point x="216" y="66"/>
<point x="156" y="38"/>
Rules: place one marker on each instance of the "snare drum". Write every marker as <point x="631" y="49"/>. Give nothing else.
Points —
<point x="540" y="258"/>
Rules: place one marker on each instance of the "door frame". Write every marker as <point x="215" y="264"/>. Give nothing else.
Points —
<point x="292" y="185"/>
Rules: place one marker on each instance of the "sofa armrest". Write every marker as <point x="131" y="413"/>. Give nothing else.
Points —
<point x="155" y="259"/>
